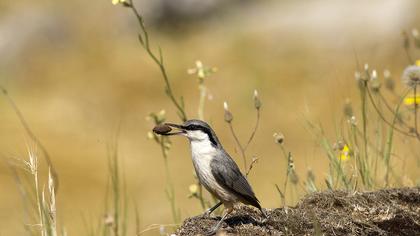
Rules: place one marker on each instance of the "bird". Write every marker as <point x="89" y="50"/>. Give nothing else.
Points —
<point x="214" y="167"/>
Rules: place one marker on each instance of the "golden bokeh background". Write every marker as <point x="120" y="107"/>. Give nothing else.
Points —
<point x="76" y="69"/>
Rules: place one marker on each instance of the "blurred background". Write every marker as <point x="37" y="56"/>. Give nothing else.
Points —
<point x="76" y="69"/>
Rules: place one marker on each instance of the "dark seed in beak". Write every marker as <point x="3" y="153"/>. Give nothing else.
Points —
<point x="162" y="129"/>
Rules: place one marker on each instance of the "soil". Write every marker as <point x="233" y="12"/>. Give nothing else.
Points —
<point x="383" y="212"/>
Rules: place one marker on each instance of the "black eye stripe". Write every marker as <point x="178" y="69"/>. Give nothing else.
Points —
<point x="203" y="129"/>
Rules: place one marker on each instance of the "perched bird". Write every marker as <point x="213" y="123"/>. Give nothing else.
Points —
<point x="215" y="169"/>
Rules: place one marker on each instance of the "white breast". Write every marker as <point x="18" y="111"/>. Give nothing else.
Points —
<point x="202" y="154"/>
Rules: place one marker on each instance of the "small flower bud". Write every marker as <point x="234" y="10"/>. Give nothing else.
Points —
<point x="389" y="82"/>
<point x="366" y="67"/>
<point x="228" y="114"/>
<point x="353" y="121"/>
<point x="374" y="82"/>
<point x="359" y="79"/>
<point x="374" y="75"/>
<point x="257" y="101"/>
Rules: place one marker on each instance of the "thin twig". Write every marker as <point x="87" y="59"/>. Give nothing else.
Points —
<point x="384" y="101"/>
<point x="241" y="149"/>
<point x="384" y="119"/>
<point x="409" y="58"/>
<point x="253" y="162"/>
<point x="257" y="122"/>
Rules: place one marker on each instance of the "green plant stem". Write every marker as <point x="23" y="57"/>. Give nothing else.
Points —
<point x="203" y="92"/>
<point x="416" y="130"/>
<point x="170" y="192"/>
<point x="409" y="58"/>
<point x="364" y="118"/>
<point x="388" y="146"/>
<point x="144" y="40"/>
<point x="378" y="140"/>
<point x="200" y="193"/>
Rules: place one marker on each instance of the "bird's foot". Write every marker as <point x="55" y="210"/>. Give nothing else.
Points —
<point x="265" y="217"/>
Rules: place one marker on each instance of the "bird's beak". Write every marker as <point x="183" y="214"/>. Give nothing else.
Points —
<point x="180" y="128"/>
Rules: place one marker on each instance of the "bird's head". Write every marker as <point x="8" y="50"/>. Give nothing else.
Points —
<point x="195" y="131"/>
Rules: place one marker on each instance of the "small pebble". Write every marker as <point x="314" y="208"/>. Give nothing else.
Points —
<point x="162" y="129"/>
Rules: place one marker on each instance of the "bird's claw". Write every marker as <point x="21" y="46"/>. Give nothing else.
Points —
<point x="211" y="232"/>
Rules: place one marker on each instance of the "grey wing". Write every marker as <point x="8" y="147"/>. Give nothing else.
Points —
<point x="228" y="175"/>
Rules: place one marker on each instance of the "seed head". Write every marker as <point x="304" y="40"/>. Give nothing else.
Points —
<point x="228" y="114"/>
<point x="411" y="76"/>
<point x="162" y="129"/>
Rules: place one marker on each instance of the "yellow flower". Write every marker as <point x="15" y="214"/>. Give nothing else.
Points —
<point x="150" y="135"/>
<point x="418" y="63"/>
<point x="345" y="153"/>
<point x="193" y="189"/>
<point x="411" y="100"/>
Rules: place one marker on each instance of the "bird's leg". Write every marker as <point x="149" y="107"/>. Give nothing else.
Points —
<point x="217" y="226"/>
<point x="265" y="216"/>
<point x="209" y="211"/>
